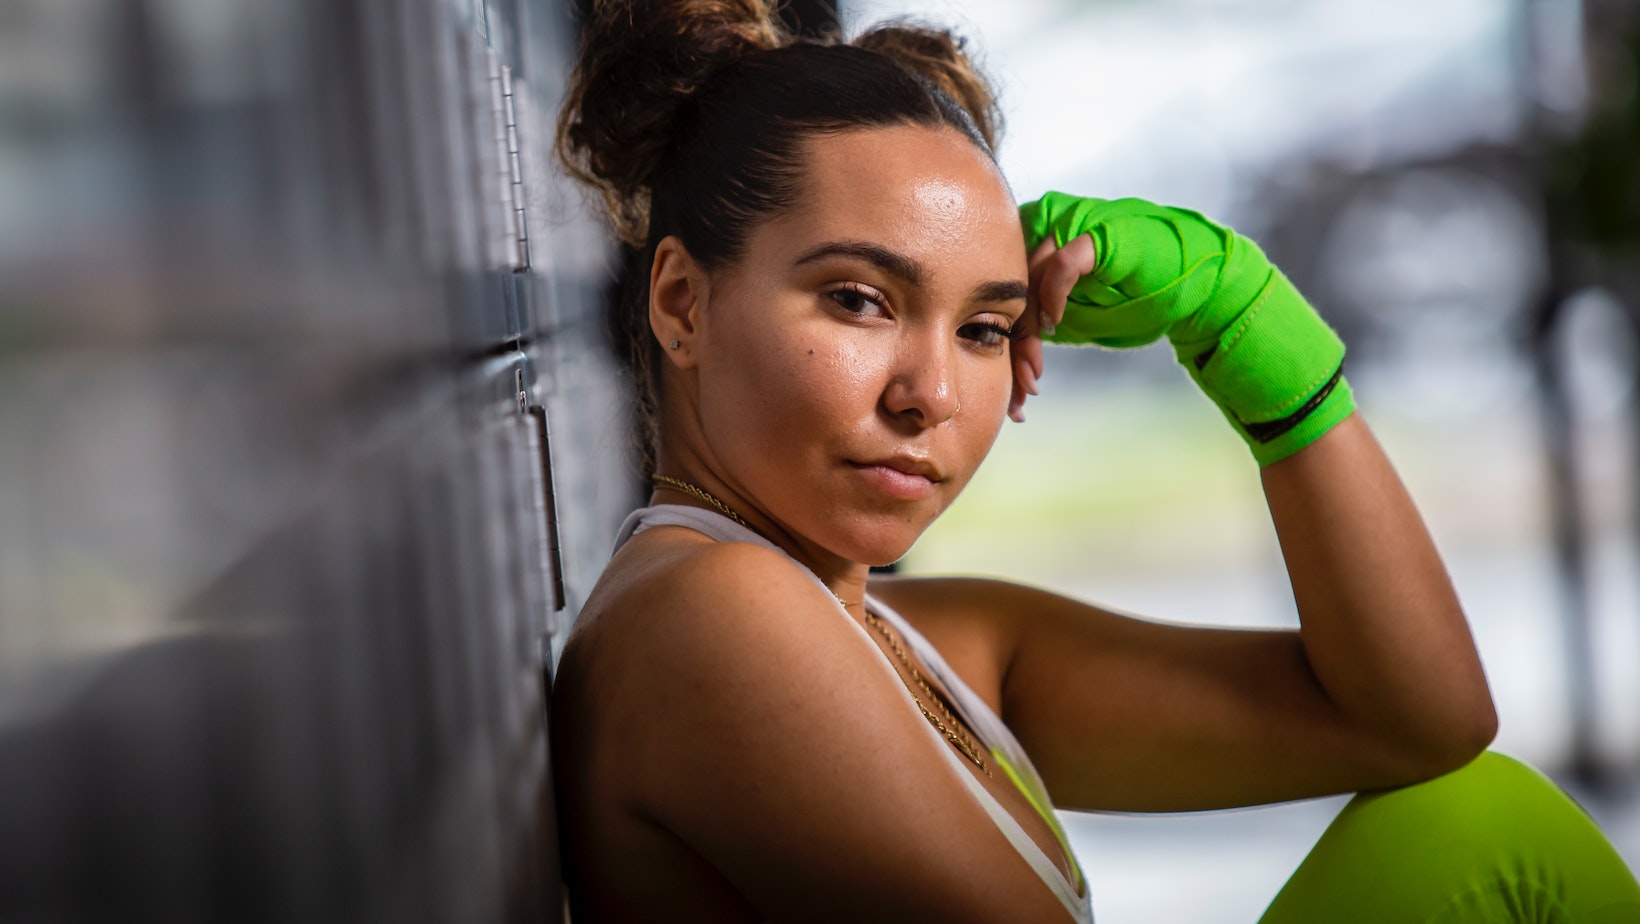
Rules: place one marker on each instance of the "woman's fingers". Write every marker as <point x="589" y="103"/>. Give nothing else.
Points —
<point x="1032" y="321"/>
<point x="1024" y="383"/>
<point x="1053" y="271"/>
<point x="1038" y="320"/>
<point x="1025" y="350"/>
<point x="1059" y="274"/>
<point x="1025" y="356"/>
<point x="1027" y="360"/>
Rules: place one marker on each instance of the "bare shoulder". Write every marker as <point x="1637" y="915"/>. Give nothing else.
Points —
<point x="673" y="673"/>
<point x="684" y="624"/>
<point x="672" y="591"/>
<point x="733" y="702"/>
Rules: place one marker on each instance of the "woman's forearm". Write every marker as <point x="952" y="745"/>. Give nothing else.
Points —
<point x="1381" y="624"/>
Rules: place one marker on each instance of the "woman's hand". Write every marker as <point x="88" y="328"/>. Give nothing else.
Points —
<point x="1237" y="325"/>
<point x="1054" y="270"/>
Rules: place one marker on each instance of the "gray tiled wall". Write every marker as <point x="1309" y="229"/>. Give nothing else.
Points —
<point x="287" y="292"/>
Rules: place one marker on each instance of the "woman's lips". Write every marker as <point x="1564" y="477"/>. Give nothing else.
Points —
<point x="895" y="483"/>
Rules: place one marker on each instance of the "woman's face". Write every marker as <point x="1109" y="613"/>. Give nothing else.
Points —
<point x="852" y="370"/>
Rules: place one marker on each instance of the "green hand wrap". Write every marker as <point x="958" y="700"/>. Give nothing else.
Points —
<point x="1237" y="325"/>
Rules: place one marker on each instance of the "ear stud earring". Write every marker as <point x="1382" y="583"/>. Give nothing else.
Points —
<point x="673" y="344"/>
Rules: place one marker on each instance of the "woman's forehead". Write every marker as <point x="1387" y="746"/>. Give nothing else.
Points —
<point x="928" y="191"/>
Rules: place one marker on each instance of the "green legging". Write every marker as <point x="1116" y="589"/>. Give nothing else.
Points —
<point x="1493" y="842"/>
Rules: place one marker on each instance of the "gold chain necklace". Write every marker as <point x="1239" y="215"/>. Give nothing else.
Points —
<point x="950" y="729"/>
<point x="953" y="732"/>
<point x="667" y="481"/>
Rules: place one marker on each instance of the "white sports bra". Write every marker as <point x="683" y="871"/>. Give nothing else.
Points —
<point x="995" y="736"/>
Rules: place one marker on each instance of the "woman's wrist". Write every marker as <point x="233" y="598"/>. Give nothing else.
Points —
<point x="1276" y="371"/>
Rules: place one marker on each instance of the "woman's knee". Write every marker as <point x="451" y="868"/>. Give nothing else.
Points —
<point x="1493" y="841"/>
<point x="1488" y="797"/>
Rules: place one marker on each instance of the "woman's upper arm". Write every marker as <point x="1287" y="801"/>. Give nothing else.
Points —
<point x="1129" y="714"/>
<point x="791" y="760"/>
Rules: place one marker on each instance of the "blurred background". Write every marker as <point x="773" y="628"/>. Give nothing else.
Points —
<point x="300" y="346"/>
<point x="311" y="440"/>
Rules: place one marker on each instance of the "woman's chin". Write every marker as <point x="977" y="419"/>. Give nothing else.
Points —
<point x="883" y="561"/>
<point x="884" y="548"/>
<point x="862" y="534"/>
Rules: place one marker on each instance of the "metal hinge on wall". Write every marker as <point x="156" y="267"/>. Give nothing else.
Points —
<point x="512" y="238"/>
<point x="547" y="500"/>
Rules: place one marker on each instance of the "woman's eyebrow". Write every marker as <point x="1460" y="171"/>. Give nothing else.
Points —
<point x="1005" y="291"/>
<point x="907" y="269"/>
<point x="887" y="260"/>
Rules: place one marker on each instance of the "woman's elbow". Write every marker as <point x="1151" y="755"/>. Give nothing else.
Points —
<point x="1464" y="734"/>
<point x="1476" y="733"/>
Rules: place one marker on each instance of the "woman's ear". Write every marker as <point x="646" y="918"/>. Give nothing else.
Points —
<point x="677" y="293"/>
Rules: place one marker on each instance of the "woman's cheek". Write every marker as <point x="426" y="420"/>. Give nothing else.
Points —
<point x="856" y="369"/>
<point x="983" y="409"/>
<point x="988" y="383"/>
<point x="790" y="391"/>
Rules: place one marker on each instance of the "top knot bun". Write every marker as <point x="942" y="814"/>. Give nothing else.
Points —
<point x="640" y="62"/>
<point x="941" y="57"/>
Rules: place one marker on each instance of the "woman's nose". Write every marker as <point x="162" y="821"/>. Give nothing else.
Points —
<point x="922" y="388"/>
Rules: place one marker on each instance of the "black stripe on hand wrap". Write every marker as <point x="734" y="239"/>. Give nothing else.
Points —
<point x="1268" y="430"/>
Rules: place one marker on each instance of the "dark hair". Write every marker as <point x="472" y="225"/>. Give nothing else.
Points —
<point x="688" y="117"/>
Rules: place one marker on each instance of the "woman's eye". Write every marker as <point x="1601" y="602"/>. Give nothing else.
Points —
<point x="856" y="301"/>
<point x="987" y="334"/>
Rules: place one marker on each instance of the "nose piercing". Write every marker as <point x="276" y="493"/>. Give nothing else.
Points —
<point x="672" y="345"/>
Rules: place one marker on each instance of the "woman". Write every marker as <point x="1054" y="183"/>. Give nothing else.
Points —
<point x="836" y="310"/>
